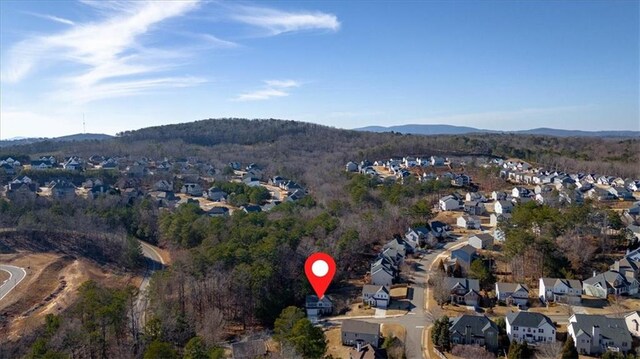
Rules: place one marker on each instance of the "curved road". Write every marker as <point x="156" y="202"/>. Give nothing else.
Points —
<point x="154" y="263"/>
<point x="16" y="275"/>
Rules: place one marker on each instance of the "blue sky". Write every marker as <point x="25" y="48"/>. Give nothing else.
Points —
<point x="497" y="65"/>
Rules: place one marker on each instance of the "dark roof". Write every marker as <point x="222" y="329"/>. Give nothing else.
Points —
<point x="528" y="319"/>
<point x="249" y="349"/>
<point x="477" y="324"/>
<point x="252" y="209"/>
<point x="359" y="326"/>
<point x="484" y="236"/>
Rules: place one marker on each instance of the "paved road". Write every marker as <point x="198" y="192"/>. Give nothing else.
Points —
<point x="418" y="318"/>
<point x="16" y="275"/>
<point x="154" y="263"/>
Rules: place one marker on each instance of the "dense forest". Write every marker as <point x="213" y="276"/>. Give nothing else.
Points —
<point x="305" y="147"/>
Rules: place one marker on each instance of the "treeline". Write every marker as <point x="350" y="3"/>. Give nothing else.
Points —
<point x="567" y="242"/>
<point x="105" y="230"/>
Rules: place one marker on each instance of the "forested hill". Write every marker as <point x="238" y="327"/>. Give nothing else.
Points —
<point x="238" y="131"/>
<point x="318" y="151"/>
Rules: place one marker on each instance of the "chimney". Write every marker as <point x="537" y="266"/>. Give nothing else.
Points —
<point x="359" y="346"/>
<point x="595" y="335"/>
<point x="467" y="334"/>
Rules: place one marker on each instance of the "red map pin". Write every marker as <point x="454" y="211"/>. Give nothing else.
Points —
<point x="320" y="269"/>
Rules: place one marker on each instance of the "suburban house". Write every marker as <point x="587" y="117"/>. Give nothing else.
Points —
<point x="468" y="222"/>
<point x="250" y="349"/>
<point x="474" y="330"/>
<point x="354" y="332"/>
<point x="449" y="203"/>
<point x="62" y="189"/>
<point x="463" y="291"/>
<point x="440" y="229"/>
<point x="464" y="255"/>
<point x="218" y="211"/>
<point x="474" y="208"/>
<point x="383" y="272"/>
<point x="498" y="196"/>
<point x="596" y="334"/>
<point x="474" y="196"/>
<point x="609" y="282"/>
<point x="530" y="327"/>
<point x="461" y="180"/>
<point x="251" y="208"/>
<point x="376" y="296"/>
<point x="317" y="307"/>
<point x="419" y="235"/>
<point x="633" y="323"/>
<point x="512" y="293"/>
<point x="163" y="185"/>
<point x="481" y="241"/>
<point x="216" y="194"/>
<point x="560" y="290"/>
<point x="495" y="218"/>
<point x="436" y="161"/>
<point x="503" y="206"/>
<point x="351" y="167"/>
<point x="519" y="192"/>
<point x="192" y="189"/>
<point x="251" y="181"/>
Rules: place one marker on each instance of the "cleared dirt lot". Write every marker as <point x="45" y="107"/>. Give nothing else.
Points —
<point x="51" y="285"/>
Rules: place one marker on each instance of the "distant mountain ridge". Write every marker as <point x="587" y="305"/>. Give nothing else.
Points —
<point x="69" y="138"/>
<point x="460" y="130"/>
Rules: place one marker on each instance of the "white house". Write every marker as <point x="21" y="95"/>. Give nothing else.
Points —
<point x="596" y="334"/>
<point x="633" y="323"/>
<point x="531" y="327"/>
<point x="560" y="290"/>
<point x="502" y="207"/>
<point x="376" y="296"/>
<point x="449" y="203"/>
<point x="481" y="241"/>
<point x="468" y="222"/>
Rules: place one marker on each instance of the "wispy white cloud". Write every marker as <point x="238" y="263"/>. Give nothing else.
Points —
<point x="52" y="18"/>
<point x="272" y="88"/>
<point x="279" y="21"/>
<point x="109" y="51"/>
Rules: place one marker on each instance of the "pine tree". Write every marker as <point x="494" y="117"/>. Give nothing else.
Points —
<point x="569" y="350"/>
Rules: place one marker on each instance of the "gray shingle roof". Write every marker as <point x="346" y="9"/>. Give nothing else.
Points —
<point x="511" y="287"/>
<point x="612" y="328"/>
<point x="359" y="326"/>
<point x="528" y="319"/>
<point x="469" y="284"/>
<point x="477" y="324"/>
<point x="373" y="289"/>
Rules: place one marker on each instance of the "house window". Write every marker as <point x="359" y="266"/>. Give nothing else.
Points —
<point x="515" y="335"/>
<point x="540" y="330"/>
<point x="624" y="344"/>
<point x="515" y="328"/>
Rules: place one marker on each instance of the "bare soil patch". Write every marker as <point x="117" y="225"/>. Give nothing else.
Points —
<point x="51" y="286"/>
